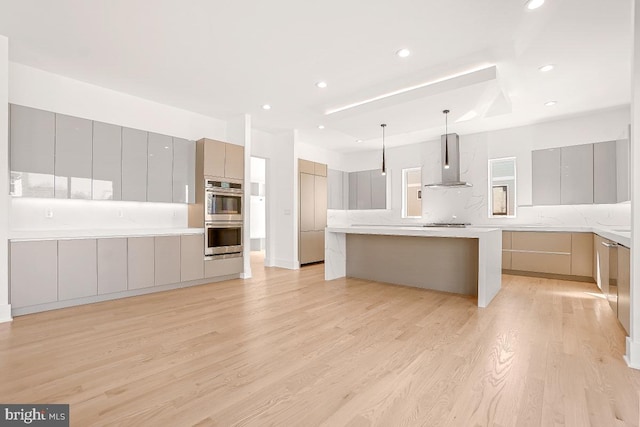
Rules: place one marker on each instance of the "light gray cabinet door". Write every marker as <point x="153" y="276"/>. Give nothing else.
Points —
<point x="307" y="202"/>
<point x="546" y="176"/>
<point x="34" y="273"/>
<point x="32" y="142"/>
<point x="622" y="170"/>
<point x="353" y="190"/>
<point x="140" y="261"/>
<point x="167" y="260"/>
<point x="134" y="165"/>
<point x="363" y="196"/>
<point x="160" y="168"/>
<point x="112" y="265"/>
<point x="73" y="157"/>
<point x="222" y="267"/>
<point x="184" y="172"/>
<point x="335" y="189"/>
<point x="378" y="190"/>
<point x="191" y="257"/>
<point x="77" y="269"/>
<point x="576" y="181"/>
<point x="604" y="172"/>
<point x="320" y="202"/>
<point x="107" y="162"/>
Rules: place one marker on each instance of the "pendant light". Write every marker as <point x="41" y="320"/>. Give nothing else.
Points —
<point x="384" y="169"/>
<point x="446" y="139"/>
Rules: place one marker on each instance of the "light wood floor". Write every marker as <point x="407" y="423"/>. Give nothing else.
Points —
<point x="288" y="349"/>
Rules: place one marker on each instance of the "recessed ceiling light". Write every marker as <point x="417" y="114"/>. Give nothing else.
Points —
<point x="534" y="4"/>
<point x="358" y="141"/>
<point x="403" y="53"/>
<point x="546" y="68"/>
<point x="550" y="103"/>
<point x="321" y="85"/>
<point x="320" y="127"/>
<point x="266" y="107"/>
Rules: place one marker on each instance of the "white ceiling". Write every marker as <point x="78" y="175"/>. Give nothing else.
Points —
<point x="223" y="58"/>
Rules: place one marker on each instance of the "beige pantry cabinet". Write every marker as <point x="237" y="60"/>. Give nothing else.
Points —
<point x="313" y="210"/>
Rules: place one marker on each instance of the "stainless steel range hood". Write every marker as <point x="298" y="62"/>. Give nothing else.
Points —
<point x="450" y="158"/>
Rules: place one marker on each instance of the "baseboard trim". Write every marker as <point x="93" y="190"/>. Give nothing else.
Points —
<point x="586" y="279"/>
<point x="5" y="313"/>
<point x="117" y="295"/>
<point x="289" y="265"/>
<point x="632" y="356"/>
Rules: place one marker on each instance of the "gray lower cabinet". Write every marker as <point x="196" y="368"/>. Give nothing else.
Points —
<point x="223" y="267"/>
<point x="191" y="257"/>
<point x="576" y="180"/>
<point x="134" y="165"/>
<point x="167" y="260"/>
<point x="29" y="285"/>
<point x="73" y="155"/>
<point x="112" y="265"/>
<point x="546" y="177"/>
<point x="140" y="261"/>
<point x="107" y="162"/>
<point x="32" y="145"/>
<point x="77" y="269"/>
<point x="160" y="168"/>
<point x="184" y="173"/>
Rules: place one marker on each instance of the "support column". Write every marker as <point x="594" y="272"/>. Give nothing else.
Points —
<point x="239" y="132"/>
<point x="5" y="307"/>
<point x="632" y="356"/>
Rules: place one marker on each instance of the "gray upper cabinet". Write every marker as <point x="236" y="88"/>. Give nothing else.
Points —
<point x="134" y="165"/>
<point x="73" y="155"/>
<point x="335" y="189"/>
<point x="34" y="285"/>
<point x="77" y="269"/>
<point x="363" y="196"/>
<point x="576" y="180"/>
<point x="184" y="173"/>
<point x="107" y="162"/>
<point x="546" y="176"/>
<point x="604" y="172"/>
<point x="623" y="158"/>
<point x="160" y="168"/>
<point x="32" y="145"/>
<point x="353" y="190"/>
<point x="378" y="190"/>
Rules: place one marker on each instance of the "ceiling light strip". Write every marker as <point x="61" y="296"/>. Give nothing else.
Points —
<point x="406" y="89"/>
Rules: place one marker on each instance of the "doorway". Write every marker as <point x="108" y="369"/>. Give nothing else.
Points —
<point x="258" y="210"/>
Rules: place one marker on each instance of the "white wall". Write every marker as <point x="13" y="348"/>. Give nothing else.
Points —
<point x="332" y="159"/>
<point x="5" y="308"/>
<point x="35" y="88"/>
<point x="279" y="151"/>
<point x="470" y="204"/>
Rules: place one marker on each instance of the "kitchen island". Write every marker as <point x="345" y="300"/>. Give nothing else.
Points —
<point x="458" y="260"/>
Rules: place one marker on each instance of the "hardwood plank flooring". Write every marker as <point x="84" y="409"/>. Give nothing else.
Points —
<point x="286" y="348"/>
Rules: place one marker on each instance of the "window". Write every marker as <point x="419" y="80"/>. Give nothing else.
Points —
<point x="412" y="193"/>
<point x="502" y="187"/>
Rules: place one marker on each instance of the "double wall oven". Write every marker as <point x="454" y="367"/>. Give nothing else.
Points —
<point x="223" y="218"/>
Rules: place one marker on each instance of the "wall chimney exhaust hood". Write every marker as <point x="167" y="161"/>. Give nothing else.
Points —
<point x="450" y="163"/>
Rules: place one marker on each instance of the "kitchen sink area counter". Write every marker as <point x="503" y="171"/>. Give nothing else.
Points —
<point x="463" y="260"/>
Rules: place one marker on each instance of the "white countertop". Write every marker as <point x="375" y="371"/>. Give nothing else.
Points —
<point x="620" y="235"/>
<point x="402" y="230"/>
<point x="25" y="235"/>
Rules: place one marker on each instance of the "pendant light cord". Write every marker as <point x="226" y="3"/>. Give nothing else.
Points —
<point x="384" y="170"/>
<point x="446" y="139"/>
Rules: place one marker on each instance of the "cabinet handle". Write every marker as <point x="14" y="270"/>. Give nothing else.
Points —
<point x="610" y="245"/>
